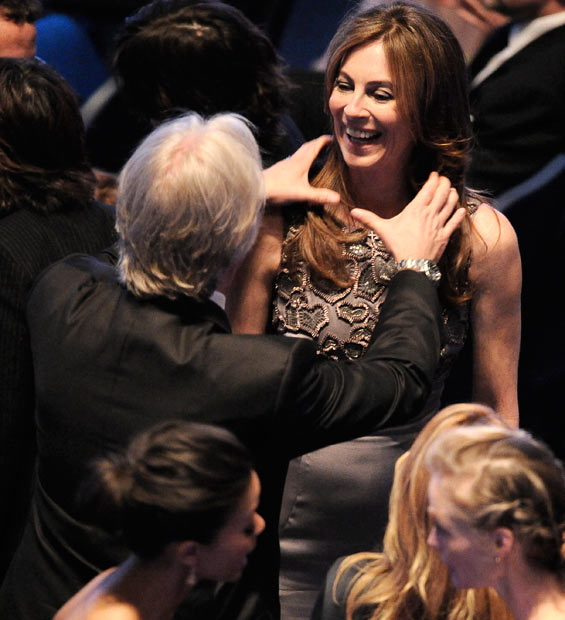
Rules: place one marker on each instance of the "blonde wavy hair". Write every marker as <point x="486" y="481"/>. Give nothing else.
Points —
<point x="515" y="482"/>
<point x="408" y="579"/>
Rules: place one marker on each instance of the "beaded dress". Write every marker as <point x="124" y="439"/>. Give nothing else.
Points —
<point x="336" y="499"/>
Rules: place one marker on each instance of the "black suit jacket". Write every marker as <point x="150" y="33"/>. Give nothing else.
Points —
<point x="29" y="241"/>
<point x="518" y="111"/>
<point x="109" y="365"/>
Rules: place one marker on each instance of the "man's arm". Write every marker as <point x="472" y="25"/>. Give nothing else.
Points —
<point x="334" y="401"/>
<point x="324" y="401"/>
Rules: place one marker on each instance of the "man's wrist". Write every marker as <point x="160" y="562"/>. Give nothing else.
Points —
<point x="424" y="265"/>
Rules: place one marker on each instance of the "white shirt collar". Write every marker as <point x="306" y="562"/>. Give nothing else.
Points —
<point x="219" y="299"/>
<point x="520" y="36"/>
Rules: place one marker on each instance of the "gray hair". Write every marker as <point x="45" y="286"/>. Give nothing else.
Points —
<point x="188" y="205"/>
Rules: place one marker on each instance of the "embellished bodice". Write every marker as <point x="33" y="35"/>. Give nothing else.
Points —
<point x="341" y="320"/>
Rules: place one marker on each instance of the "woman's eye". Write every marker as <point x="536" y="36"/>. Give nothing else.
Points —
<point x="343" y="86"/>
<point x="382" y="95"/>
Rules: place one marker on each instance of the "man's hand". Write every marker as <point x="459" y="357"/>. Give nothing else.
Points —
<point x="287" y="180"/>
<point x="423" y="228"/>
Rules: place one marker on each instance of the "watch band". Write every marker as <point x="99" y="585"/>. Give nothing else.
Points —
<point x="424" y="265"/>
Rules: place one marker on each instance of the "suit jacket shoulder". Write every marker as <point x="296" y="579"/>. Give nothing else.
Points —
<point x="518" y="114"/>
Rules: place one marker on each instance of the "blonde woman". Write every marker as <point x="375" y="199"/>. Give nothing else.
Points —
<point x="497" y="506"/>
<point x="408" y="579"/>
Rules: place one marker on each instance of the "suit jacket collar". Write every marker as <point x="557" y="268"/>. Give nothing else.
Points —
<point x="195" y="310"/>
<point x="189" y="307"/>
<point x="518" y="38"/>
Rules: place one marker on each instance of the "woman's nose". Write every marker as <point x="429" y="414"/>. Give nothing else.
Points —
<point x="355" y="107"/>
<point x="259" y="524"/>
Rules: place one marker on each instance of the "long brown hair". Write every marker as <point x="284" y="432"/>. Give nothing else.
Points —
<point x="43" y="164"/>
<point x="408" y="579"/>
<point x="428" y="69"/>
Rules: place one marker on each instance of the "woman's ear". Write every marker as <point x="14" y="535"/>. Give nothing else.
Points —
<point x="186" y="552"/>
<point x="503" y="541"/>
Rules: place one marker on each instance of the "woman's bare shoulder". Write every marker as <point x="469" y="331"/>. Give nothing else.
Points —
<point x="493" y="226"/>
<point x="93" y="602"/>
<point x="494" y="242"/>
<point x="113" y="612"/>
<point x="99" y="611"/>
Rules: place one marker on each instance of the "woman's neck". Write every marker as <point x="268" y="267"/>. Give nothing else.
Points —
<point x="385" y="195"/>
<point x="154" y="588"/>
<point x="533" y="595"/>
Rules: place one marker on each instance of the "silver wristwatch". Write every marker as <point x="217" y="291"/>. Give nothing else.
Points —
<point x="427" y="267"/>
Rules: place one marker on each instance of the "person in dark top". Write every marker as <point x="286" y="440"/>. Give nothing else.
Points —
<point x="206" y="57"/>
<point x="517" y="89"/>
<point x="46" y="212"/>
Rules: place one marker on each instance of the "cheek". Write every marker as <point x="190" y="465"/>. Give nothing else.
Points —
<point x="240" y="547"/>
<point x="401" y="129"/>
<point x="464" y="553"/>
<point x="335" y="105"/>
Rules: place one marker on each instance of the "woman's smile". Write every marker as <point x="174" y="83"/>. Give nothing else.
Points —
<point x="360" y="136"/>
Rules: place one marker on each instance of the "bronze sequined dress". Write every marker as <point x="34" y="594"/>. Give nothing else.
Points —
<point x="336" y="499"/>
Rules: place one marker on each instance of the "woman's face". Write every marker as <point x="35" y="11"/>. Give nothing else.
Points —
<point x="469" y="554"/>
<point x="226" y="556"/>
<point x="368" y="126"/>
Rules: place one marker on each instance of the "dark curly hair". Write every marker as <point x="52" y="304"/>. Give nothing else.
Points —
<point x="43" y="162"/>
<point x="21" y="11"/>
<point x="177" y="55"/>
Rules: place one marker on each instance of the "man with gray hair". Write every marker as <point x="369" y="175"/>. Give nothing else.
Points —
<point x="117" y="349"/>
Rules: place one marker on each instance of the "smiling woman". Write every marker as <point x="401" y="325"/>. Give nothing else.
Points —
<point x="396" y="90"/>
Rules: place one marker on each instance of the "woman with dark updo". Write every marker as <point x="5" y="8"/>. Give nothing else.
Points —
<point x="184" y="498"/>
